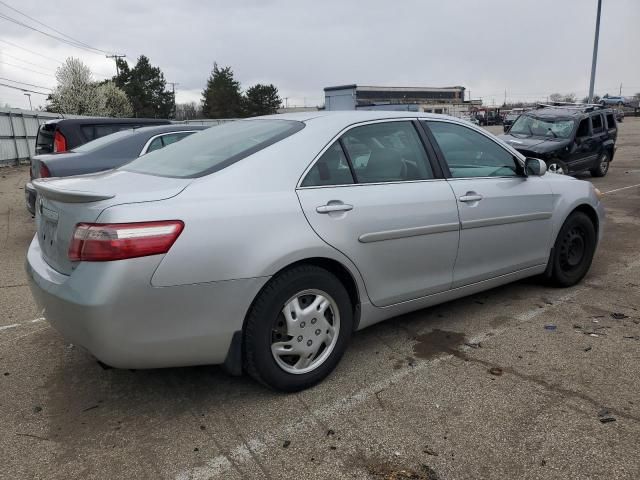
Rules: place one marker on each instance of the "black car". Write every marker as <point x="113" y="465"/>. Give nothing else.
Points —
<point x="105" y="153"/>
<point x="569" y="139"/>
<point x="65" y="134"/>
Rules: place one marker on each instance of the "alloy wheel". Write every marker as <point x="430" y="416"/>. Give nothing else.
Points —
<point x="556" y="168"/>
<point x="604" y="164"/>
<point x="305" y="332"/>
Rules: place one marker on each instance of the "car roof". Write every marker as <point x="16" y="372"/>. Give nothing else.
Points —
<point x="156" y="129"/>
<point x="105" y="121"/>
<point x="560" y="112"/>
<point x="343" y="118"/>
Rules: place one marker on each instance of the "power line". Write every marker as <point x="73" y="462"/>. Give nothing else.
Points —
<point x="96" y="51"/>
<point x="31" y="51"/>
<point x="27" y="69"/>
<point x="49" y="27"/>
<point x="23" y="89"/>
<point x="5" y="54"/>
<point x="25" y="83"/>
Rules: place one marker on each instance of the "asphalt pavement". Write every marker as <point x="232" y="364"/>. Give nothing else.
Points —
<point x="523" y="381"/>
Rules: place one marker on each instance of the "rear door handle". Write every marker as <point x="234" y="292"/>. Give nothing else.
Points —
<point x="470" y="197"/>
<point x="334" y="207"/>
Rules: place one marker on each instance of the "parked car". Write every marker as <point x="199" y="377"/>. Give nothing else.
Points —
<point x="568" y="139"/>
<point x="264" y="243"/>
<point x="104" y="153"/>
<point x="617" y="101"/>
<point x="61" y="135"/>
<point x="509" y="118"/>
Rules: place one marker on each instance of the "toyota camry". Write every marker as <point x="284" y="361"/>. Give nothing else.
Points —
<point x="263" y="244"/>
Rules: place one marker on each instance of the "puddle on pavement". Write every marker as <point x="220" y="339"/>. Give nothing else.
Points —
<point x="438" y="342"/>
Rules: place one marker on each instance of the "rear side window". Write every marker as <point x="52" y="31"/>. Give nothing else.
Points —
<point x="387" y="152"/>
<point x="215" y="148"/>
<point x="596" y="124"/>
<point x="332" y="168"/>
<point x="156" y="144"/>
<point x="611" y="121"/>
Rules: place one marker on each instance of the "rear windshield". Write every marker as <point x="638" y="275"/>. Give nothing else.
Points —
<point x="214" y="149"/>
<point x="102" y="141"/>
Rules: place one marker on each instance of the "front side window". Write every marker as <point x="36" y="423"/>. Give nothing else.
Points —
<point x="611" y="121"/>
<point x="215" y="148"/>
<point x="331" y="168"/>
<point x="387" y="152"/>
<point x="471" y="154"/>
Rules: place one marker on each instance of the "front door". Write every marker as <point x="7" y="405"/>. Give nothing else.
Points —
<point x="505" y="217"/>
<point x="373" y="196"/>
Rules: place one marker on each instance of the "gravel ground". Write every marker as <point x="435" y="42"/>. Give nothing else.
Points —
<point x="475" y="388"/>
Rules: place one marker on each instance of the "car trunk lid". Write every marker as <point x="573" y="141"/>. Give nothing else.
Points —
<point x="65" y="202"/>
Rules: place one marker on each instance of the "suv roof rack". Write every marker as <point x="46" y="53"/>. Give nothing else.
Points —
<point x="583" y="107"/>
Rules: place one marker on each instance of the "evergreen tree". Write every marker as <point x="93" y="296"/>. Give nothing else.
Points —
<point x="262" y="100"/>
<point x="145" y="87"/>
<point x="222" y="98"/>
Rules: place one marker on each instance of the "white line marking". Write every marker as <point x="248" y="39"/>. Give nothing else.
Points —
<point x="36" y="320"/>
<point x="7" y="327"/>
<point x="619" y="189"/>
<point x="218" y="465"/>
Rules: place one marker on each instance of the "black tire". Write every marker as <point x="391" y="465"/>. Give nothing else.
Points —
<point x="557" y="166"/>
<point x="604" y="160"/>
<point x="573" y="250"/>
<point x="265" y="318"/>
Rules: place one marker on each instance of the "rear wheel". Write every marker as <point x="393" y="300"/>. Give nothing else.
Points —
<point x="557" y="166"/>
<point x="603" y="166"/>
<point x="297" y="329"/>
<point x="573" y="250"/>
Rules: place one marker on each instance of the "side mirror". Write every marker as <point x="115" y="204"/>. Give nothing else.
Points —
<point x="535" y="166"/>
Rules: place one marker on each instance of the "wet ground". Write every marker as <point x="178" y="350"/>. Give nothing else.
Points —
<point x="523" y="381"/>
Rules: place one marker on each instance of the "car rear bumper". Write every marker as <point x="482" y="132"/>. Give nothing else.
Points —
<point x="111" y="310"/>
<point x="30" y="198"/>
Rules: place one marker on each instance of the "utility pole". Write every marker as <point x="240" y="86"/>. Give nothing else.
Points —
<point x="620" y="90"/>
<point x="505" y="97"/>
<point x="29" y="95"/>
<point x="115" y="58"/>
<point x="595" y="53"/>
<point x="173" y="91"/>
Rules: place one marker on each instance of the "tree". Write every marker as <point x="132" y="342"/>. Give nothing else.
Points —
<point x="113" y="101"/>
<point x="222" y="98"/>
<point x="559" y="97"/>
<point x="76" y="92"/>
<point x="145" y="87"/>
<point x="262" y="100"/>
<point x="188" y="111"/>
<point x="596" y="99"/>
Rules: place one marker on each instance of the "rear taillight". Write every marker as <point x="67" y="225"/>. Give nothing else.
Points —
<point x="44" y="171"/>
<point x="59" y="142"/>
<point x="103" y="242"/>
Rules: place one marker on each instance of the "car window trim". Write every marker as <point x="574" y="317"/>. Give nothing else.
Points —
<point x="517" y="155"/>
<point x="338" y="138"/>
<point x="146" y="146"/>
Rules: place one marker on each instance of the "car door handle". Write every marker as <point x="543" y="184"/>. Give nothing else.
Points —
<point x="470" y="197"/>
<point x="334" y="207"/>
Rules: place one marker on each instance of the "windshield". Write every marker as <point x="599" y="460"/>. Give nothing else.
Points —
<point x="214" y="149"/>
<point x="102" y="141"/>
<point x="538" y="127"/>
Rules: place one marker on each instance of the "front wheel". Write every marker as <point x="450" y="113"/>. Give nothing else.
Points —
<point x="557" y="166"/>
<point x="573" y="250"/>
<point x="603" y="166"/>
<point x="297" y="329"/>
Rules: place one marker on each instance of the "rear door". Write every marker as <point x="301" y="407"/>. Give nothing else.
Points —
<point x="505" y="217"/>
<point x="375" y="196"/>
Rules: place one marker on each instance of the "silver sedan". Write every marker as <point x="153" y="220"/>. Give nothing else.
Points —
<point x="263" y="244"/>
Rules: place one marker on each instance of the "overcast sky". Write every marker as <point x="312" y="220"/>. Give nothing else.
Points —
<point x="531" y="48"/>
